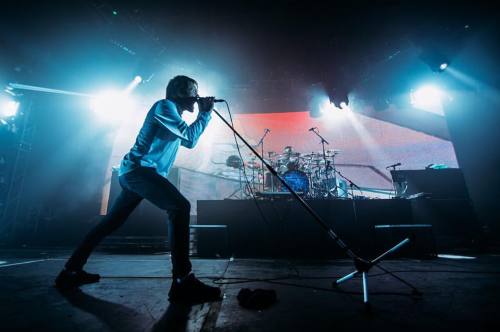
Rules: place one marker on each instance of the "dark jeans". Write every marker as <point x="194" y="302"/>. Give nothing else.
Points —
<point x="138" y="184"/>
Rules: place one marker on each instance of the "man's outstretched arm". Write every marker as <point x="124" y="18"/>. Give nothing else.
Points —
<point x="166" y="114"/>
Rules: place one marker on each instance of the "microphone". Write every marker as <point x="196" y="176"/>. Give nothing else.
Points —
<point x="267" y="130"/>
<point x="312" y="129"/>
<point x="196" y="99"/>
<point x="398" y="164"/>
<point x="215" y="100"/>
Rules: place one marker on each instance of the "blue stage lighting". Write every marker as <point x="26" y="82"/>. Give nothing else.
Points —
<point x="9" y="108"/>
<point x="435" y="59"/>
<point x="339" y="101"/>
<point x="112" y="106"/>
<point x="344" y="106"/>
<point x="427" y="98"/>
<point x="339" y="97"/>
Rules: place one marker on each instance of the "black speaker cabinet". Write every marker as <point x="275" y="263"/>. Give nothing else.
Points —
<point x="212" y="241"/>
<point x="446" y="183"/>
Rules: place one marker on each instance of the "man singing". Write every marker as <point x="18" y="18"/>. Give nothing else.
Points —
<point x="143" y="175"/>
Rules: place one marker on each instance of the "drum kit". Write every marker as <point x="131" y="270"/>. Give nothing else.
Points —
<point x="312" y="175"/>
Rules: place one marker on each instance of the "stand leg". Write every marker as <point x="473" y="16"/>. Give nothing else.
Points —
<point x="390" y="251"/>
<point x="365" y="288"/>
<point x="414" y="289"/>
<point x="364" y="266"/>
<point x="347" y="277"/>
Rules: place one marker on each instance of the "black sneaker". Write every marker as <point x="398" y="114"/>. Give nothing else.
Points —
<point x="193" y="291"/>
<point x="71" y="279"/>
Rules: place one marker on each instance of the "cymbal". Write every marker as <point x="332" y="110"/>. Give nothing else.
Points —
<point x="288" y="155"/>
<point x="309" y="155"/>
<point x="234" y="161"/>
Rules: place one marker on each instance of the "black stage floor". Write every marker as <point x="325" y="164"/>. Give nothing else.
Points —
<point x="132" y="296"/>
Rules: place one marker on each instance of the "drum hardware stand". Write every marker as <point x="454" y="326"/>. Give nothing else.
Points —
<point x="335" y="185"/>
<point x="240" y="189"/>
<point x="323" y="141"/>
<point x="261" y="143"/>
<point x="253" y="180"/>
<point x="394" y="166"/>
<point x="352" y="185"/>
<point x="272" y="180"/>
<point x="362" y="266"/>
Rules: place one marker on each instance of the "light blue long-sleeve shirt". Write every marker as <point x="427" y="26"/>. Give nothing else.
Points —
<point x="161" y="134"/>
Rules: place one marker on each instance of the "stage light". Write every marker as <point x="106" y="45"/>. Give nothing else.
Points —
<point x="344" y="106"/>
<point x="112" y="106"/>
<point x="339" y="96"/>
<point x="427" y="98"/>
<point x="455" y="256"/>
<point x="322" y="106"/>
<point x="133" y="84"/>
<point x="339" y="100"/>
<point x="436" y="61"/>
<point x="9" y="108"/>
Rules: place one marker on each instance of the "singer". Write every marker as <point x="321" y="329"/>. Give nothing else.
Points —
<point x="143" y="175"/>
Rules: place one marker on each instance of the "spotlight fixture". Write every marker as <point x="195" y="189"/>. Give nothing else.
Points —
<point x="9" y="108"/>
<point x="436" y="61"/>
<point x="344" y="106"/>
<point x="339" y="97"/>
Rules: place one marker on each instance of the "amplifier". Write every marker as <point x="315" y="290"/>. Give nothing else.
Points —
<point x="448" y="183"/>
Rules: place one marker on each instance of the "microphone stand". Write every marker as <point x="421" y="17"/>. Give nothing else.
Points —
<point x="261" y="143"/>
<point x="362" y="265"/>
<point x="352" y="185"/>
<point x="327" y="164"/>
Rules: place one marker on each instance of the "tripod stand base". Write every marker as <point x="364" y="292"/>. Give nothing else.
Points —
<point x="362" y="267"/>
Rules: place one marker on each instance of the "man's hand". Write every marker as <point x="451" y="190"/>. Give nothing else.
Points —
<point x="206" y="104"/>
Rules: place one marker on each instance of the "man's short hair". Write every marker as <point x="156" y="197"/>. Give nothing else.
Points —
<point x="179" y="86"/>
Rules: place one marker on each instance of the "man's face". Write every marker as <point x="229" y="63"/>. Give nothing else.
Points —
<point x="187" y="105"/>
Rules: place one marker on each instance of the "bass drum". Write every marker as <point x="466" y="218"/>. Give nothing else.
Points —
<point x="297" y="180"/>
